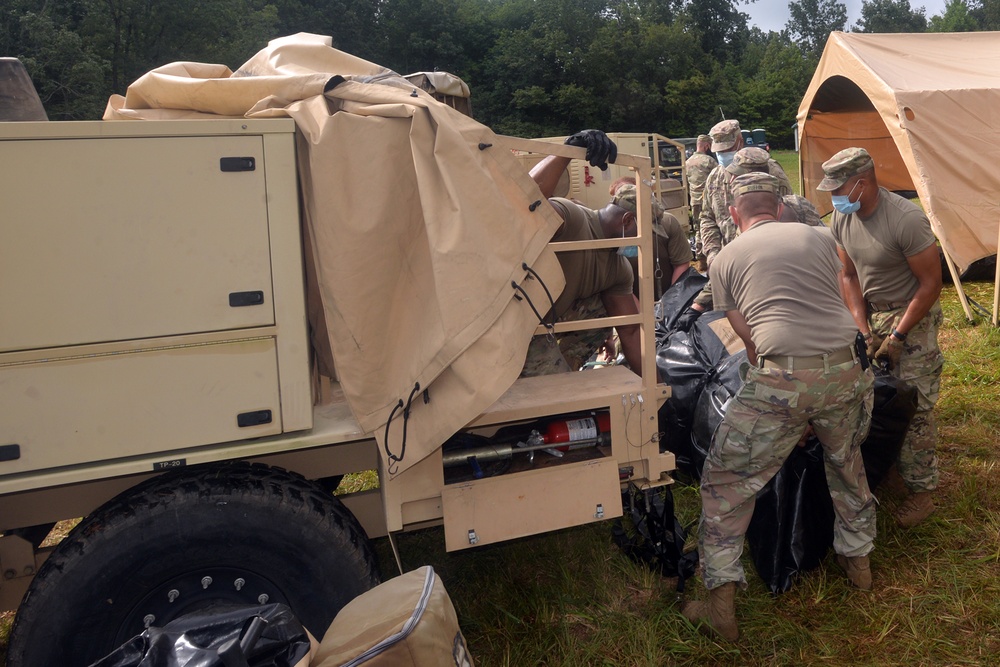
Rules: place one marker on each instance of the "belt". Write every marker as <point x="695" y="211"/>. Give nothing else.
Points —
<point x="882" y="307"/>
<point x="787" y="363"/>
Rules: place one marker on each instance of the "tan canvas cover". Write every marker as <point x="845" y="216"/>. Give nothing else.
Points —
<point x="415" y="234"/>
<point x="927" y="107"/>
<point x="408" y="621"/>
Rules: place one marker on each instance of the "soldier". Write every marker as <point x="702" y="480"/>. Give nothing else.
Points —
<point x="891" y="282"/>
<point x="671" y="250"/>
<point x="699" y="166"/>
<point x="598" y="282"/>
<point x="715" y="225"/>
<point x="796" y="208"/>
<point x="777" y="284"/>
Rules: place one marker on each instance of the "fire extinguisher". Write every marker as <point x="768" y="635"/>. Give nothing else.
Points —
<point x="584" y="431"/>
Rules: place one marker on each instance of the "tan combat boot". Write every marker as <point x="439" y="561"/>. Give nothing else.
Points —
<point x="857" y="569"/>
<point x="894" y="484"/>
<point x="915" y="509"/>
<point x="717" y="613"/>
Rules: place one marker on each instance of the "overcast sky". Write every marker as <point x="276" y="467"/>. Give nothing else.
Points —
<point x="773" y="14"/>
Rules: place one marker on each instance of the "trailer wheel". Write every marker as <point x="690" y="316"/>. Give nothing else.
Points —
<point x="182" y="541"/>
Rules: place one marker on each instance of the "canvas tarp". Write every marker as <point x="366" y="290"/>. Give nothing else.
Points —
<point x="927" y="108"/>
<point x="416" y="227"/>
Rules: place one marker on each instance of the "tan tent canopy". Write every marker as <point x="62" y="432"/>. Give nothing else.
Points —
<point x="927" y="108"/>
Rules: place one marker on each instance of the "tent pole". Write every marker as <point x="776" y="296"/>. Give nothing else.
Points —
<point x="996" y="288"/>
<point x="958" y="287"/>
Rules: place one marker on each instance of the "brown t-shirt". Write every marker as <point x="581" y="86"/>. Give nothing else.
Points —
<point x="783" y="278"/>
<point x="880" y="244"/>
<point x="588" y="272"/>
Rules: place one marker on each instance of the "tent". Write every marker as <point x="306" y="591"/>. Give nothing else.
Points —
<point x="927" y="108"/>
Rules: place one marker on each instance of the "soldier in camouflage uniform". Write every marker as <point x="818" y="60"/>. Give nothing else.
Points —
<point x="699" y="166"/>
<point x="715" y="225"/>
<point x="778" y="285"/>
<point x="891" y="283"/>
<point x="796" y="208"/>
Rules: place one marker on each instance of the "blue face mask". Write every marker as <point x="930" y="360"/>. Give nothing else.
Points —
<point x="844" y="204"/>
<point x="725" y="159"/>
<point x="629" y="251"/>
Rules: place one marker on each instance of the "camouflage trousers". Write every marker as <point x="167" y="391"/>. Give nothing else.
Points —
<point x="568" y="351"/>
<point x="762" y="425"/>
<point x="920" y="367"/>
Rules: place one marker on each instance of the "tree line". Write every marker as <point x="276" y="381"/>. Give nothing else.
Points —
<point x="535" y="67"/>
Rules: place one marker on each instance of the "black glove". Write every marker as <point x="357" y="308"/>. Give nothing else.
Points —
<point x="600" y="149"/>
<point x="686" y="320"/>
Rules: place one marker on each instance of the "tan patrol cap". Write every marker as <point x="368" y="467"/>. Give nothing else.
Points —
<point x="754" y="181"/>
<point x="625" y="197"/>
<point x="725" y="135"/>
<point x="749" y="159"/>
<point x="842" y="166"/>
<point x="702" y="138"/>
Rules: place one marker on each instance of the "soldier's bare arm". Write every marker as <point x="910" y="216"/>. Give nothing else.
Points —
<point x="850" y="291"/>
<point x="926" y="266"/>
<point x="626" y="304"/>
<point x="742" y="330"/>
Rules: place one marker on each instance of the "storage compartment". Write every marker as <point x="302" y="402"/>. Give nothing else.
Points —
<point x="62" y="412"/>
<point x="128" y="238"/>
<point x="510" y="506"/>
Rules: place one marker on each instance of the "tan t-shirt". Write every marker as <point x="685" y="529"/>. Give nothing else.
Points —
<point x="880" y="244"/>
<point x="588" y="272"/>
<point x="783" y="278"/>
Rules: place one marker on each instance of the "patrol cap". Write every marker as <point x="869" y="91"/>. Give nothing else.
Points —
<point x="702" y="138"/>
<point x="625" y="197"/>
<point x="842" y="166"/>
<point x="725" y="135"/>
<point x="754" y="181"/>
<point x="749" y="159"/>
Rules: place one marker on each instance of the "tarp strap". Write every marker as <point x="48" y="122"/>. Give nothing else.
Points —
<point x="392" y="458"/>
<point x="532" y="274"/>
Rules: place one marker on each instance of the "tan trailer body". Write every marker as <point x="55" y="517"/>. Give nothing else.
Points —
<point x="151" y="284"/>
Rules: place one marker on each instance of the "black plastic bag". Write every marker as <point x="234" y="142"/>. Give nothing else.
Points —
<point x="230" y="636"/>
<point x="654" y="537"/>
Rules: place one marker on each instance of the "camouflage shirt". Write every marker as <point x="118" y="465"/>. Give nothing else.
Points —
<point x="804" y="210"/>
<point x="699" y="166"/>
<point x="716" y="226"/>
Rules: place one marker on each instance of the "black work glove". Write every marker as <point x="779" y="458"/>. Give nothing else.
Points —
<point x="686" y="320"/>
<point x="600" y="149"/>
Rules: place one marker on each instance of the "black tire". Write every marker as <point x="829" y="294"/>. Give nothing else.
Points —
<point x="278" y="533"/>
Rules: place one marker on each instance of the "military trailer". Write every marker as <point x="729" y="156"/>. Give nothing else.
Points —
<point x="159" y="379"/>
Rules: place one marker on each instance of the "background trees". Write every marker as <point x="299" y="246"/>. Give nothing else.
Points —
<point x="536" y="67"/>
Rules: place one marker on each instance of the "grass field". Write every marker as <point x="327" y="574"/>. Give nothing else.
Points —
<point x="571" y="598"/>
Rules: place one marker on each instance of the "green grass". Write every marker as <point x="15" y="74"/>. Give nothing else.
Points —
<point x="789" y="161"/>
<point x="571" y="598"/>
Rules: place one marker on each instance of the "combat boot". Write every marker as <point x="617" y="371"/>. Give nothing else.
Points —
<point x="857" y="569"/>
<point x="894" y="484"/>
<point x="915" y="509"/>
<point x="717" y="613"/>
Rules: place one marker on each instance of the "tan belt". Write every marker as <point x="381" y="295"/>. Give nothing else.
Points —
<point x="882" y="307"/>
<point x="786" y="363"/>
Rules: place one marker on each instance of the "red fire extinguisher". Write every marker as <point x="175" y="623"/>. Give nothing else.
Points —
<point x="583" y="430"/>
